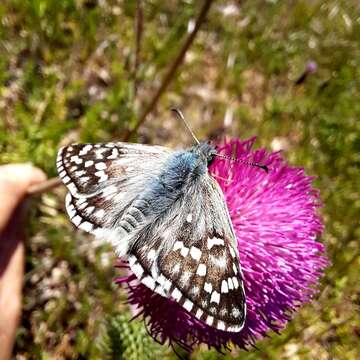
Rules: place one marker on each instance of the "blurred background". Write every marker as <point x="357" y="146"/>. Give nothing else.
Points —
<point x="88" y="70"/>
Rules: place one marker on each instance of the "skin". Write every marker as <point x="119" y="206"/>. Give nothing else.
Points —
<point x="15" y="180"/>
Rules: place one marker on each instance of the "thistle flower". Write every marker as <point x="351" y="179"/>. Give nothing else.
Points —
<point x="276" y="224"/>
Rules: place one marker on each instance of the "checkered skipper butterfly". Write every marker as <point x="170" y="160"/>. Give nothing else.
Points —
<point x="165" y="212"/>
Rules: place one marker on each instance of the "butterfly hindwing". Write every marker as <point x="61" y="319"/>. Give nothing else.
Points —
<point x="198" y="266"/>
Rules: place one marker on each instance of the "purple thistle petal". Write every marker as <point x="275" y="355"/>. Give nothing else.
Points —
<point x="311" y="67"/>
<point x="276" y="224"/>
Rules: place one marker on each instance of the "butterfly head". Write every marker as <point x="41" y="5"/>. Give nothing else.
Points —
<point x="205" y="151"/>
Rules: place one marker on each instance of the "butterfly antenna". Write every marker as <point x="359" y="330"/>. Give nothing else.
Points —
<point x="261" y="166"/>
<point x="180" y="115"/>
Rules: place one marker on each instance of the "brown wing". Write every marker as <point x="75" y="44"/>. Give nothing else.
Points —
<point x="191" y="256"/>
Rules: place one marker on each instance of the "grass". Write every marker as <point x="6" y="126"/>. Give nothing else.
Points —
<point x="66" y="74"/>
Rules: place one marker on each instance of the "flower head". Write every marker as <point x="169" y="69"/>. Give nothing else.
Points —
<point x="276" y="224"/>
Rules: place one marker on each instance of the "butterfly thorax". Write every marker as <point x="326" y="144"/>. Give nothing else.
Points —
<point x="183" y="172"/>
<point x="188" y="166"/>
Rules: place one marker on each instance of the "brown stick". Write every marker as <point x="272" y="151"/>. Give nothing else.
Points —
<point x="44" y="187"/>
<point x="138" y="34"/>
<point x="171" y="69"/>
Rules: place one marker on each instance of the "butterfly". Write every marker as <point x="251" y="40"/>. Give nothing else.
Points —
<point x="163" y="210"/>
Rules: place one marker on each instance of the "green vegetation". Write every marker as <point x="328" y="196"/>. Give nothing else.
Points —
<point x="67" y="74"/>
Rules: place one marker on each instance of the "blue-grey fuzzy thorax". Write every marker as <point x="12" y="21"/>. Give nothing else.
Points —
<point x="182" y="170"/>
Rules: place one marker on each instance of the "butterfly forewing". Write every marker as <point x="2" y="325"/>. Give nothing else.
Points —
<point x="103" y="180"/>
<point x="199" y="267"/>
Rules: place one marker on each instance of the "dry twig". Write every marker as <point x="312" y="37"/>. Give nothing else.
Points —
<point x="139" y="20"/>
<point x="171" y="70"/>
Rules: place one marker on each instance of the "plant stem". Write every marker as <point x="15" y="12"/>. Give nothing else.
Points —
<point x="139" y="20"/>
<point x="44" y="187"/>
<point x="171" y="69"/>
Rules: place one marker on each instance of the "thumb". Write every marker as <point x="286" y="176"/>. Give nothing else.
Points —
<point x="15" y="179"/>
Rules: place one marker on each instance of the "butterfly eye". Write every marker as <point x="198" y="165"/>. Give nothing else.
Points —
<point x="210" y="159"/>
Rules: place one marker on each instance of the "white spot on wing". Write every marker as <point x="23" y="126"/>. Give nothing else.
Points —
<point x="234" y="328"/>
<point x="62" y="174"/>
<point x="72" y="188"/>
<point x="137" y="270"/>
<point x="189" y="218"/>
<point x="151" y="254"/>
<point x="89" y="163"/>
<point x="176" y="294"/>
<point x="149" y="282"/>
<point x="209" y="320"/>
<point x="199" y="313"/>
<point x="100" y="166"/>
<point x="195" y="253"/>
<point x="215" y="297"/>
<point x="184" y="251"/>
<point x="76" y="159"/>
<point x="208" y="287"/>
<point x="178" y="245"/>
<point x="188" y="305"/>
<point x="235" y="282"/>
<point x="85" y="149"/>
<point x="235" y="269"/>
<point x="86" y="226"/>
<point x="235" y="312"/>
<point x="224" y="287"/>
<point x="71" y="210"/>
<point x="76" y="220"/>
<point x="214" y="241"/>
<point x="201" y="270"/>
<point x="132" y="260"/>
<point x="230" y="284"/>
<point x="160" y="291"/>
<point x="167" y="285"/>
<point x="80" y="173"/>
